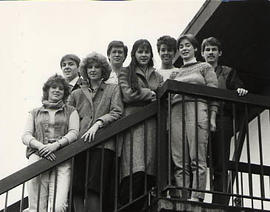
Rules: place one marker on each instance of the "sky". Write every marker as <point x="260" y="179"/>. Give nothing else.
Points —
<point x="36" y="34"/>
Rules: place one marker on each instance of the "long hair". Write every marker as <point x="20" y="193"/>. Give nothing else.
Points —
<point x="132" y="77"/>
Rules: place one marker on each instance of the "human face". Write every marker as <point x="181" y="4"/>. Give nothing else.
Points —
<point x="55" y="92"/>
<point x="94" y="71"/>
<point x="117" y="56"/>
<point x="166" y="54"/>
<point x="211" y="54"/>
<point x="70" y="69"/>
<point x="186" y="50"/>
<point x="143" y="55"/>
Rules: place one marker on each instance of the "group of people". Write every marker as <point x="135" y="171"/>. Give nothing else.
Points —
<point x="97" y="91"/>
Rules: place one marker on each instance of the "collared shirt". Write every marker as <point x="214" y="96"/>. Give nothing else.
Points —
<point x="74" y="81"/>
<point x="113" y="79"/>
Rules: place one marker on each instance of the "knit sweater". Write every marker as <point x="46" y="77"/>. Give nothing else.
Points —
<point x="199" y="73"/>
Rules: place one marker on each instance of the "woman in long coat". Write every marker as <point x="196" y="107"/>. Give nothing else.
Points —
<point x="98" y="105"/>
<point x="138" y="83"/>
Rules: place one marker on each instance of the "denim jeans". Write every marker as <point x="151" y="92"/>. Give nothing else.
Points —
<point x="47" y="186"/>
<point x="187" y="163"/>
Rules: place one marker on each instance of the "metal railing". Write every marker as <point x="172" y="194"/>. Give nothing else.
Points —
<point x="248" y="182"/>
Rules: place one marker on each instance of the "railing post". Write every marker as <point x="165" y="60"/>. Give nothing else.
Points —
<point x="162" y="146"/>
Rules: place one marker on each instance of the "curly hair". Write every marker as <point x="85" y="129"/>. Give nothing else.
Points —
<point x="169" y="41"/>
<point x="101" y="60"/>
<point x="55" y="79"/>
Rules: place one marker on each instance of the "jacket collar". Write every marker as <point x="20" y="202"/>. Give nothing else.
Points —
<point x="141" y="72"/>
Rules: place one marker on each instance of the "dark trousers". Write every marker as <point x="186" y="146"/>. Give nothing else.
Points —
<point x="220" y="156"/>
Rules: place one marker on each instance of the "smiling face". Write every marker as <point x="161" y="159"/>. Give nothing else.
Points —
<point x="211" y="54"/>
<point x="166" y="54"/>
<point x="143" y="56"/>
<point x="186" y="50"/>
<point x="117" y="56"/>
<point x="55" y="92"/>
<point x="94" y="71"/>
<point x="70" y="69"/>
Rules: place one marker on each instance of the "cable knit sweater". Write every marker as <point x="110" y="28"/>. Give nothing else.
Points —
<point x="199" y="73"/>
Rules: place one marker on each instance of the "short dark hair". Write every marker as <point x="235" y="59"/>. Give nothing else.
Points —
<point x="117" y="44"/>
<point x="99" y="59"/>
<point x="191" y="38"/>
<point x="167" y="40"/>
<point x="73" y="57"/>
<point x="212" y="41"/>
<point x="55" y="79"/>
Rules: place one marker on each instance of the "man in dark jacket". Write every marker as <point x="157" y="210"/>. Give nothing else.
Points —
<point x="227" y="79"/>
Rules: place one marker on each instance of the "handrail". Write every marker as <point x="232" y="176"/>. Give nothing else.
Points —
<point x="216" y="93"/>
<point x="75" y="148"/>
<point x="123" y="124"/>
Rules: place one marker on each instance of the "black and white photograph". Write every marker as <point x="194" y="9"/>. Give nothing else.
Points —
<point x="133" y="106"/>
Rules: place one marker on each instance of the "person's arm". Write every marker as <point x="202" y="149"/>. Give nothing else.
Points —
<point x="233" y="82"/>
<point x="30" y="141"/>
<point x="116" y="111"/>
<point x="129" y="95"/>
<point x="116" y="108"/>
<point x="211" y="81"/>
<point x="27" y="138"/>
<point x="73" y="130"/>
<point x="70" y="136"/>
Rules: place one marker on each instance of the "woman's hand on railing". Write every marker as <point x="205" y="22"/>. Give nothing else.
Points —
<point x="90" y="134"/>
<point x="47" y="149"/>
<point x="241" y="91"/>
<point x="154" y="96"/>
<point x="51" y="157"/>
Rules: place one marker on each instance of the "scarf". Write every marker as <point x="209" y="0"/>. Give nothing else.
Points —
<point x="53" y="105"/>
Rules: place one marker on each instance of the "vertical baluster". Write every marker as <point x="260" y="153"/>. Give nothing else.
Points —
<point x="22" y="198"/>
<point x="242" y="189"/>
<point x="55" y="188"/>
<point x="197" y="143"/>
<point x="39" y="188"/>
<point x="210" y="156"/>
<point x="169" y="138"/>
<point x="235" y="148"/>
<point x="248" y="157"/>
<point x="131" y="167"/>
<point x="102" y="177"/>
<point x="184" y="190"/>
<point x="145" y="129"/>
<point x="261" y="159"/>
<point x="6" y="202"/>
<point x="116" y="172"/>
<point x="86" y="178"/>
<point x="223" y="155"/>
<point x="71" y="185"/>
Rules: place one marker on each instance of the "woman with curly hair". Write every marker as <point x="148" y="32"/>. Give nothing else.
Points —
<point x="48" y="129"/>
<point x="98" y="104"/>
<point x="138" y="83"/>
